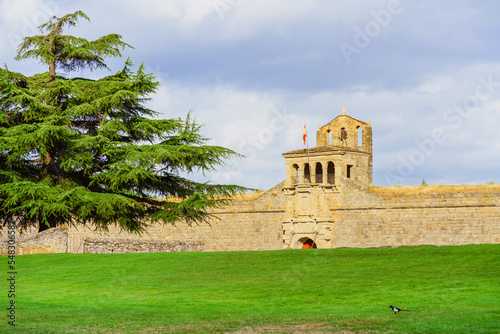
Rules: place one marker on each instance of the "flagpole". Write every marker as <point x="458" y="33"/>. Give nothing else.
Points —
<point x="307" y="146"/>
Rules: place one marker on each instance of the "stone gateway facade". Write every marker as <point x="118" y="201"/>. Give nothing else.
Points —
<point x="326" y="201"/>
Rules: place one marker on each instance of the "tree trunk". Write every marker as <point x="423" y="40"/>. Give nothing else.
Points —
<point x="47" y="164"/>
<point x="52" y="71"/>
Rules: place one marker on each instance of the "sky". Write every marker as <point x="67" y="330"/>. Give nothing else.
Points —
<point x="426" y="74"/>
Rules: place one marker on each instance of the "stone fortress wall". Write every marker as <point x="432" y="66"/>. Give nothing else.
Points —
<point x="326" y="201"/>
<point x="410" y="216"/>
<point x="398" y="216"/>
<point x="406" y="216"/>
<point x="250" y="222"/>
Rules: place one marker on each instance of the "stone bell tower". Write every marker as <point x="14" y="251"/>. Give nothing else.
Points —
<point x="315" y="177"/>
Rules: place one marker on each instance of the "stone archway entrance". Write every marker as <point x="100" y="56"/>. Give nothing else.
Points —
<point x="309" y="244"/>
<point x="306" y="243"/>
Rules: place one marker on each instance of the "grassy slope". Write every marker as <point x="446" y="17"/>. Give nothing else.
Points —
<point x="447" y="289"/>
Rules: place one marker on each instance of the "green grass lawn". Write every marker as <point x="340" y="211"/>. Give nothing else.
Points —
<point x="447" y="289"/>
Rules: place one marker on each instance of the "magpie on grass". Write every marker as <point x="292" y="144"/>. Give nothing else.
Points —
<point x="397" y="309"/>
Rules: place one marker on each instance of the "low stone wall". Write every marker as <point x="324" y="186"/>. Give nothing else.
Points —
<point x="105" y="246"/>
<point x="54" y="240"/>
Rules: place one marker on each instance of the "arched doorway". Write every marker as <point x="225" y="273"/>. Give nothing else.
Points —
<point x="305" y="243"/>
<point x="309" y="244"/>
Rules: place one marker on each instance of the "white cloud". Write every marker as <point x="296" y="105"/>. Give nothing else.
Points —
<point x="240" y="63"/>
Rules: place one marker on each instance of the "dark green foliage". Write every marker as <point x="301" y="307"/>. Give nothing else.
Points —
<point x="90" y="151"/>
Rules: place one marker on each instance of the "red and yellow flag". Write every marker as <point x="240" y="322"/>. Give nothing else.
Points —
<point x="305" y="134"/>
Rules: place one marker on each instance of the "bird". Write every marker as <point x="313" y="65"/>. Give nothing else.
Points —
<point x="397" y="309"/>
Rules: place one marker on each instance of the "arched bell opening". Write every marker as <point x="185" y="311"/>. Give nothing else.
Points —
<point x="307" y="174"/>
<point x="330" y="173"/>
<point x="319" y="173"/>
<point x="295" y="174"/>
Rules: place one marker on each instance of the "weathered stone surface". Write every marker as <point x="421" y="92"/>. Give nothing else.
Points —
<point x="53" y="240"/>
<point x="105" y="246"/>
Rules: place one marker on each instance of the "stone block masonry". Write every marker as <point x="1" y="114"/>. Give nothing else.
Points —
<point x="250" y="222"/>
<point x="452" y="217"/>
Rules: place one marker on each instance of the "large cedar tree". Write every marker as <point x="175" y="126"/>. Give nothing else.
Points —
<point x="82" y="151"/>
